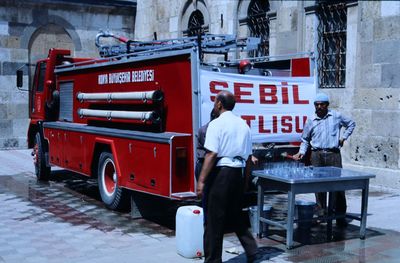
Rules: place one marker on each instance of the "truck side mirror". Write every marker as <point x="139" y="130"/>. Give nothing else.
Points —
<point x="20" y="75"/>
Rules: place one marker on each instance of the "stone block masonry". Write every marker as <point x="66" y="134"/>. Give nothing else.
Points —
<point x="28" y="29"/>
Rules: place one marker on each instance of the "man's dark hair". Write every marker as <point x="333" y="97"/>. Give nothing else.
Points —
<point x="227" y="100"/>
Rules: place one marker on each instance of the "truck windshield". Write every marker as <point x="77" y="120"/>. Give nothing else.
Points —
<point x="38" y="85"/>
<point x="40" y="77"/>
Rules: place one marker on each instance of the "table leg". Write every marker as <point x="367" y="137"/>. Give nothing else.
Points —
<point x="331" y="201"/>
<point x="290" y="220"/>
<point x="364" y="207"/>
<point x="260" y="204"/>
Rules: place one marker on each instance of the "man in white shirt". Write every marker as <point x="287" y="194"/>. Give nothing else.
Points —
<point x="222" y="179"/>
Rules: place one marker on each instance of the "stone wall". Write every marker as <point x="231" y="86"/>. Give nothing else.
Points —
<point x="29" y="28"/>
<point x="168" y="21"/>
<point x="376" y="100"/>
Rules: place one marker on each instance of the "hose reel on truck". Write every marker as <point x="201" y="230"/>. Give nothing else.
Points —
<point x="144" y="97"/>
<point x="142" y="116"/>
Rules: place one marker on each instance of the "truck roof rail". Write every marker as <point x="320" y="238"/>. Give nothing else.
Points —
<point x="207" y="43"/>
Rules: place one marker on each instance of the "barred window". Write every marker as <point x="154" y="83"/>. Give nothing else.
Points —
<point x="332" y="16"/>
<point x="196" y="25"/>
<point x="258" y="24"/>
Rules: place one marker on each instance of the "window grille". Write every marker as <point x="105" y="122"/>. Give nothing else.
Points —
<point x="258" y="23"/>
<point x="196" y="25"/>
<point x="331" y="46"/>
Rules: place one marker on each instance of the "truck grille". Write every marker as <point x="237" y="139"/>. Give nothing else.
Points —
<point x="66" y="101"/>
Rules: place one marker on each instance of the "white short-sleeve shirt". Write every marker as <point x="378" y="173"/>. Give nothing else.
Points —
<point x="229" y="137"/>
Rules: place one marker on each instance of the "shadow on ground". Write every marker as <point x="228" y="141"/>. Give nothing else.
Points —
<point x="156" y="209"/>
<point x="265" y="253"/>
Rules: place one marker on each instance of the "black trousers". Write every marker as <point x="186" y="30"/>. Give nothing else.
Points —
<point x="322" y="158"/>
<point x="224" y="210"/>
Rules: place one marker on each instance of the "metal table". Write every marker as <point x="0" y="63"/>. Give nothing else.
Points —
<point x="317" y="179"/>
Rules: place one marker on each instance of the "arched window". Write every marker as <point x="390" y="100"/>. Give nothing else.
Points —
<point x="44" y="38"/>
<point x="332" y="30"/>
<point x="196" y="24"/>
<point x="258" y="24"/>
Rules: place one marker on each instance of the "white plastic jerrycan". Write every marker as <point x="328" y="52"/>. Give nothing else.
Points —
<point x="189" y="231"/>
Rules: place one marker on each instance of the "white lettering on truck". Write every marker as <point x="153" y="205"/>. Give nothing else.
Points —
<point x="126" y="77"/>
<point x="103" y="79"/>
<point x="120" y="77"/>
<point x="143" y="75"/>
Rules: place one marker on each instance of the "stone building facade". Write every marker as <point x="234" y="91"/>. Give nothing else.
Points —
<point x="364" y="36"/>
<point x="28" y="29"/>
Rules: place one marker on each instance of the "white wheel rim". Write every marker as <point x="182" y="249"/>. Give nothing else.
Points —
<point x="109" y="177"/>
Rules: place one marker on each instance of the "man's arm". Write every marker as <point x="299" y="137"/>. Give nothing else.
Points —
<point x="208" y="165"/>
<point x="349" y="125"/>
<point x="305" y="140"/>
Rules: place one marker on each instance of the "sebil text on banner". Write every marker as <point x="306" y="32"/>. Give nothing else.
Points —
<point x="275" y="108"/>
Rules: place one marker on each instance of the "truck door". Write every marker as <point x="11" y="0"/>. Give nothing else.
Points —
<point x="36" y="93"/>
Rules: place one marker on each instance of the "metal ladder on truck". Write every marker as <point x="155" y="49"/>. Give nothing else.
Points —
<point x="207" y="43"/>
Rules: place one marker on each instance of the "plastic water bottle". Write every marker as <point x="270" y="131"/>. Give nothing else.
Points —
<point x="189" y="231"/>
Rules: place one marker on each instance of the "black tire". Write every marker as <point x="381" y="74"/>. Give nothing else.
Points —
<point x="113" y="196"/>
<point x="42" y="171"/>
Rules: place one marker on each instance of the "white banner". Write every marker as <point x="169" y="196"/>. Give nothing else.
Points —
<point x="275" y="108"/>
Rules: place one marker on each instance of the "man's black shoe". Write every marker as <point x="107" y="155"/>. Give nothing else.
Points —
<point x="341" y="222"/>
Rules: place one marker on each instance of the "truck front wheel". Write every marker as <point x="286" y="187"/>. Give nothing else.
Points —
<point x="112" y="195"/>
<point x="42" y="171"/>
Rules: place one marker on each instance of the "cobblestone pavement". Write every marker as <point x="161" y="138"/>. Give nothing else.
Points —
<point x="64" y="221"/>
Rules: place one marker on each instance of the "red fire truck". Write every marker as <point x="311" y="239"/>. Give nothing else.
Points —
<point x="130" y="117"/>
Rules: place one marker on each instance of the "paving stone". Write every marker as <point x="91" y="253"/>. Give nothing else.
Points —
<point x="35" y="259"/>
<point x="9" y="252"/>
<point x="13" y="258"/>
<point x="158" y="236"/>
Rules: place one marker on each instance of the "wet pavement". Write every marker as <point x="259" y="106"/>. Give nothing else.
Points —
<point x="64" y="221"/>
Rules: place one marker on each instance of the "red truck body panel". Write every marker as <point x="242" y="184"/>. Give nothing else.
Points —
<point x="146" y="166"/>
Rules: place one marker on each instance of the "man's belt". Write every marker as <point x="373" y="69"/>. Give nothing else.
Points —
<point x="328" y="150"/>
<point x="232" y="159"/>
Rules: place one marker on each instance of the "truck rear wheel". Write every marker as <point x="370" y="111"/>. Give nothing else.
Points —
<point x="112" y="195"/>
<point x="42" y="171"/>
